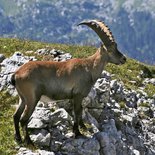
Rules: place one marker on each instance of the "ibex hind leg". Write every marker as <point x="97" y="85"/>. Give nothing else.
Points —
<point x="16" y="118"/>
<point x="29" y="108"/>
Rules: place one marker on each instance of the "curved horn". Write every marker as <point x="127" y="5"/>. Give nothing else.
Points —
<point x="102" y="31"/>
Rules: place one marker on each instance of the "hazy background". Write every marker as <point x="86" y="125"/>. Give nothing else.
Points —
<point x="131" y="21"/>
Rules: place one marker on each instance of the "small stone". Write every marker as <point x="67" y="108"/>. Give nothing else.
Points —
<point x="54" y="52"/>
<point x="36" y="123"/>
<point x="43" y="152"/>
<point x="59" y="116"/>
<point x="29" y="52"/>
<point x="42" y="138"/>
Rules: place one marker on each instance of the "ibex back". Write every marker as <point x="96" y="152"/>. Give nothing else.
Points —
<point x="72" y="79"/>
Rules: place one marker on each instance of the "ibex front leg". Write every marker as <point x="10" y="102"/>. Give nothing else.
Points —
<point x="77" y="103"/>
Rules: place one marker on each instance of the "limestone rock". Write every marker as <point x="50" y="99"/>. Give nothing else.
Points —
<point x="81" y="146"/>
<point x="25" y="151"/>
<point x="121" y="120"/>
<point x="41" y="138"/>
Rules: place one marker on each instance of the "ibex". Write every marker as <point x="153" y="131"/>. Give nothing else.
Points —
<point x="72" y="79"/>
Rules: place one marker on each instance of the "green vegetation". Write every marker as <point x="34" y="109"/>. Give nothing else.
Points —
<point x="150" y="89"/>
<point x="130" y="73"/>
<point x="122" y="105"/>
<point x="144" y="105"/>
<point x="127" y="73"/>
<point x="7" y="143"/>
<point x="9" y="46"/>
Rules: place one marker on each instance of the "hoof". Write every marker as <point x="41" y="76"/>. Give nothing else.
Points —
<point x="28" y="141"/>
<point x="18" y="139"/>
<point x="78" y="134"/>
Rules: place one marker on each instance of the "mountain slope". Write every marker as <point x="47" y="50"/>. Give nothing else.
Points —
<point x="130" y="122"/>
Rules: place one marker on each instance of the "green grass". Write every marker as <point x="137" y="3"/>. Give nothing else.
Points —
<point x="9" y="46"/>
<point x="7" y="143"/>
<point x="150" y="89"/>
<point x="127" y="73"/>
<point x="122" y="105"/>
<point x="144" y="105"/>
<point x="130" y="72"/>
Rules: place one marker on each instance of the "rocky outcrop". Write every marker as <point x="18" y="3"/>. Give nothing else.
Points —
<point x="119" y="121"/>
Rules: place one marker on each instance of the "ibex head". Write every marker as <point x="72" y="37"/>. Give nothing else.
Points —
<point x="102" y="30"/>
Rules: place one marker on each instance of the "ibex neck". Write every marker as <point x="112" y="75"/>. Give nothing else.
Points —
<point x="99" y="60"/>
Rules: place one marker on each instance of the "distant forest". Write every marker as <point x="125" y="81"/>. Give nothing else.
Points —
<point x="131" y="21"/>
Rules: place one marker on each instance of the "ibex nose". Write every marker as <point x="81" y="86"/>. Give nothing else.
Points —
<point x="123" y="59"/>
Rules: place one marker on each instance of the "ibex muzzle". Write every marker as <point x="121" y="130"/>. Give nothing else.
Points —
<point x="115" y="56"/>
<point x="72" y="80"/>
